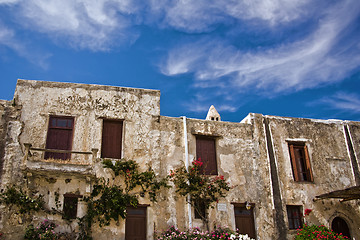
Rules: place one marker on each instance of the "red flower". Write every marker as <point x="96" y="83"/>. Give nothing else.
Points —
<point x="307" y="211"/>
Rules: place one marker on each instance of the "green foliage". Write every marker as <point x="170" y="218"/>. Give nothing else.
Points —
<point x="202" y="188"/>
<point x="25" y="203"/>
<point x="317" y="232"/>
<point x="133" y="178"/>
<point x="109" y="202"/>
<point x="45" y="231"/>
<point x="219" y="233"/>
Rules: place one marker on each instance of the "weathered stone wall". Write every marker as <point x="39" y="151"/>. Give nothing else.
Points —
<point x="241" y="158"/>
<point x="243" y="154"/>
<point x="88" y="104"/>
<point x="3" y="126"/>
<point x="330" y="164"/>
<point x="10" y="151"/>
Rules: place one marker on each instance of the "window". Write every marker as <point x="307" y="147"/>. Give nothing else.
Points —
<point x="60" y="134"/>
<point x="199" y="210"/>
<point x="135" y="225"/>
<point x="111" y="139"/>
<point x="294" y="216"/>
<point x="300" y="162"/>
<point x="205" y="150"/>
<point x="70" y="206"/>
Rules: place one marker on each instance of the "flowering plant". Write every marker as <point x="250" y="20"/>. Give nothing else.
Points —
<point x="203" y="189"/>
<point x="219" y="233"/>
<point x="45" y="231"/>
<point x="317" y="232"/>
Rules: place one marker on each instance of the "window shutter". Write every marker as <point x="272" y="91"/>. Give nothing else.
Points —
<point x="205" y="150"/>
<point x="308" y="166"/>
<point x="111" y="139"/>
<point x="59" y="136"/>
<point x="293" y="163"/>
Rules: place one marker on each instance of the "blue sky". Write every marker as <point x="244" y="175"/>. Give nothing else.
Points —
<point x="298" y="58"/>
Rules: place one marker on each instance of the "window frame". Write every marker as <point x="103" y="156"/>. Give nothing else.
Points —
<point x="290" y="209"/>
<point x="70" y="199"/>
<point x="298" y="163"/>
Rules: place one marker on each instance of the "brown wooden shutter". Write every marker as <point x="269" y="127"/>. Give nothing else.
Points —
<point x="111" y="139"/>
<point x="308" y="166"/>
<point x="293" y="163"/>
<point x="60" y="134"/>
<point x="135" y="226"/>
<point x="205" y="150"/>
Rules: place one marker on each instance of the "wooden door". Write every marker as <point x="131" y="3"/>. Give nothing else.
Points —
<point x="205" y="150"/>
<point x="111" y="139"/>
<point x="244" y="220"/>
<point x="135" y="226"/>
<point x="60" y="134"/>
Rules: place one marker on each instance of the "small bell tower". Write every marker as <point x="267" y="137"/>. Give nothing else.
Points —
<point x="212" y="114"/>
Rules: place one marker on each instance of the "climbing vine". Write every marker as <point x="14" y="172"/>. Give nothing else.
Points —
<point x="133" y="178"/>
<point x="108" y="202"/>
<point x="25" y="203"/>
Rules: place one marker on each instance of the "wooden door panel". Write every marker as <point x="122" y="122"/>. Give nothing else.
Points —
<point x="135" y="226"/>
<point x="244" y="220"/>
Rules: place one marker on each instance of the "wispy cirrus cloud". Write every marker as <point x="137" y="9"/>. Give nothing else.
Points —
<point x="325" y="56"/>
<point x="9" y="39"/>
<point x="343" y="101"/>
<point x="96" y="25"/>
<point x="202" y="15"/>
<point x="104" y="24"/>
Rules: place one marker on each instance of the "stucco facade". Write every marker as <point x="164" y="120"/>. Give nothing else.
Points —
<point x="253" y="155"/>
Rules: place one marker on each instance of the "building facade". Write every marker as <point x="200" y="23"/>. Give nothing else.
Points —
<point x="276" y="166"/>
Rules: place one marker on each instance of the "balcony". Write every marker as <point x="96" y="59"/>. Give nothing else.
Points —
<point x="78" y="162"/>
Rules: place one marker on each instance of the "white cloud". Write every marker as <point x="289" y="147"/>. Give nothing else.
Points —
<point x="100" y="25"/>
<point x="95" y="25"/>
<point x="8" y="38"/>
<point x="196" y="106"/>
<point x="8" y="1"/>
<point x="345" y="101"/>
<point x="201" y="15"/>
<point x="324" y="57"/>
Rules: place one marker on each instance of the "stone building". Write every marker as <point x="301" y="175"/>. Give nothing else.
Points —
<point x="277" y="166"/>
